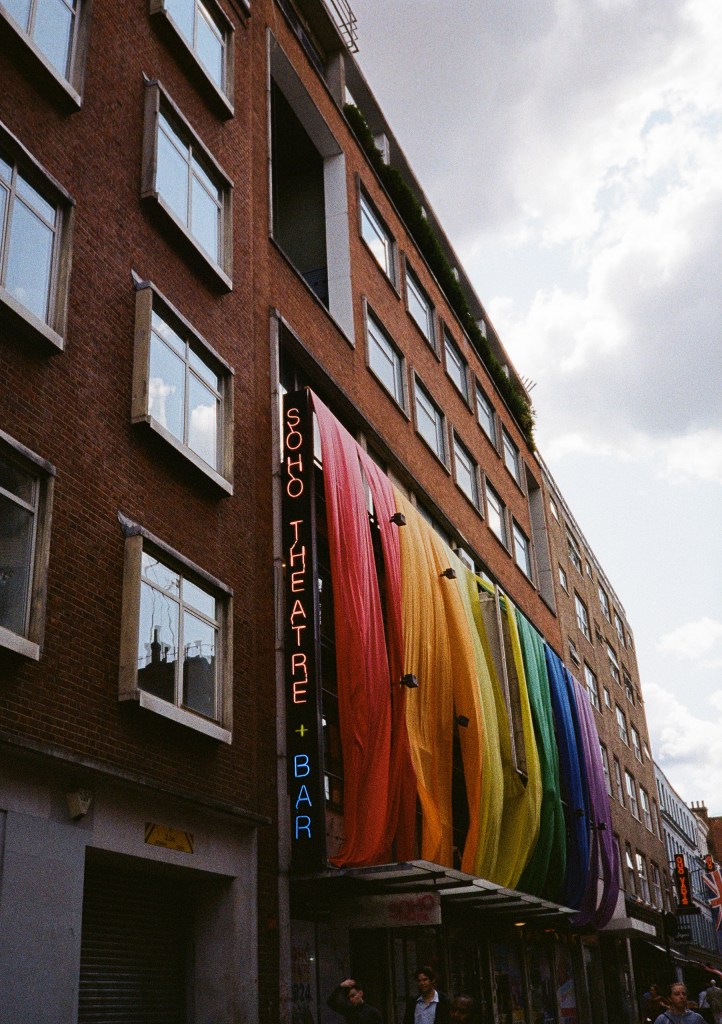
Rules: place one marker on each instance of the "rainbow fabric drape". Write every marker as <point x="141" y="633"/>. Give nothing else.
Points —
<point x="538" y="818"/>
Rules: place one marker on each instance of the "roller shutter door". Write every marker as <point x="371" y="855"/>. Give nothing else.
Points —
<point x="133" y="951"/>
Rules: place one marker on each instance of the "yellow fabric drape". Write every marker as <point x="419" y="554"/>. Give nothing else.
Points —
<point x="481" y="851"/>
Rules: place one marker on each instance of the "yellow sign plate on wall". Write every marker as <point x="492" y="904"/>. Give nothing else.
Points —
<point x="169" y="838"/>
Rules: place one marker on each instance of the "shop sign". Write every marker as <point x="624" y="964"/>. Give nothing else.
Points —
<point x="397" y="911"/>
<point x="682" y="884"/>
<point x="302" y="647"/>
<point x="168" y="838"/>
<point x="714" y="884"/>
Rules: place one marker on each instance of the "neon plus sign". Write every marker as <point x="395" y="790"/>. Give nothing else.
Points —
<point x="302" y="731"/>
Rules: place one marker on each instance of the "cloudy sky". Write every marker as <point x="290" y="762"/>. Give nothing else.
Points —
<point x="573" y="152"/>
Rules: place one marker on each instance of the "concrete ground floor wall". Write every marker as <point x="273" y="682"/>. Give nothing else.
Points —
<point x="52" y="829"/>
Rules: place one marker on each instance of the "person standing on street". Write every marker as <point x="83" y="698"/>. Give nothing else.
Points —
<point x="348" y="1000"/>
<point x="678" y="1012"/>
<point x="431" y="1006"/>
<point x="714" y="1000"/>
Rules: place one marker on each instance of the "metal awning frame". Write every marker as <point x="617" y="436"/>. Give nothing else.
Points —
<point x="456" y="889"/>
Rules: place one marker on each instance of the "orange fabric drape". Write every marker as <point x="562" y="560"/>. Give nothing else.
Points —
<point x="429" y="708"/>
<point x="362" y="669"/>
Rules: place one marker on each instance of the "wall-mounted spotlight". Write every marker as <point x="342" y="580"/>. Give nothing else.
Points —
<point x="462" y="721"/>
<point x="398" y="519"/>
<point x="450" y="574"/>
<point x="410" y="681"/>
<point x="79" y="802"/>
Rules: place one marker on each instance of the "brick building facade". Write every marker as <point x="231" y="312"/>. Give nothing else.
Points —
<point x="204" y="210"/>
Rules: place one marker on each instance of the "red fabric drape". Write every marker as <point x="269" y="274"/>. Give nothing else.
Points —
<point x="402" y="778"/>
<point x="362" y="669"/>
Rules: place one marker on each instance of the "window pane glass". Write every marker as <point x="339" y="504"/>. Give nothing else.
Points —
<point x="199" y="666"/>
<point x="166" y="387"/>
<point x="203" y="370"/>
<point x="157" y="643"/>
<point x="30" y="260"/>
<point x="6" y="171"/>
<point x="199" y="599"/>
<point x="209" y="47"/>
<point x="205" y="220"/>
<point x="418" y="306"/>
<point x="375" y="237"/>
<point x="428" y="421"/>
<point x="384" y="361"/>
<point x="53" y="26"/>
<point x="202" y="420"/>
<point x="17" y="481"/>
<point x="35" y="200"/>
<point x="455" y="366"/>
<point x="160" y="574"/>
<point x="19" y="10"/>
<point x="485" y="413"/>
<point x="181" y="11"/>
<point x="465" y="473"/>
<point x="167" y="334"/>
<point x="495" y="514"/>
<point x="16" y="548"/>
<point x="172" y="177"/>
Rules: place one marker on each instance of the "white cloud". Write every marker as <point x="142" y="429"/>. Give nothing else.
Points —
<point x="693" y="641"/>
<point x="686" y="746"/>
<point x="697" y="454"/>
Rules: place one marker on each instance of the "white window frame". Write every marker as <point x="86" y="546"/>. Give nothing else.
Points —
<point x="150" y="300"/>
<point x="201" y="163"/>
<point x="379" y="341"/>
<point x="631" y="788"/>
<point x="51" y="328"/>
<point x="422" y="400"/>
<point x="29" y="642"/>
<point x="604" y="603"/>
<point x="426" y="323"/>
<point x="646" y="809"/>
<point x="574" y="555"/>
<point x="512" y="456"/>
<point x="582" y="614"/>
<point x="637" y="744"/>
<point x="464" y="459"/>
<point x="494" y="502"/>
<point x="485" y="415"/>
<point x="656" y="886"/>
<point x="619" y="626"/>
<point x="137" y="541"/>
<point x="457" y="368"/>
<point x="605" y="768"/>
<point x="622" y="725"/>
<point x="618" y="780"/>
<point x="368" y="214"/>
<point x="210" y="11"/>
<point x="574" y="653"/>
<point x="614" y="667"/>
<point x="607" y="698"/>
<point x="592" y="685"/>
<point x="68" y="85"/>
<point x="642" y="875"/>
<point x="563" y="579"/>
<point x="522" y="550"/>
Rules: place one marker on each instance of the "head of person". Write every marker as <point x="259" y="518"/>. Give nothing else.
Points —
<point x="463" y="1009"/>
<point x="653" y="989"/>
<point x="426" y="980"/>
<point x="713" y="983"/>
<point x="355" y="993"/>
<point x="678" y="996"/>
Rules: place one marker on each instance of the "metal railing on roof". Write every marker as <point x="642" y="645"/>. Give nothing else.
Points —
<point x="346" y="22"/>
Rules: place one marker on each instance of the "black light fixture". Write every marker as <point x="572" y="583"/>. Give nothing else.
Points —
<point x="462" y="721"/>
<point x="410" y="681"/>
<point x="602" y="826"/>
<point x="450" y="574"/>
<point x="398" y="519"/>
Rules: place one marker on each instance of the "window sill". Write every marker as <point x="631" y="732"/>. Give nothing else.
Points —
<point x="19" y="645"/>
<point x="431" y="344"/>
<point x="389" y="394"/>
<point x="192" y="247"/>
<point x="188" y="454"/>
<point x="183" y="717"/>
<point x="442" y="461"/>
<point x="389" y="281"/>
<point x="26" y="323"/>
<point x="57" y="86"/>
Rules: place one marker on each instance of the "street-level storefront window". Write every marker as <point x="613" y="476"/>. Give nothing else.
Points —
<point x="508" y="984"/>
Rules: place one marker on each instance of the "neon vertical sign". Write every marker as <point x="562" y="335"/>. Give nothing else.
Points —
<point x="303" y="686"/>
